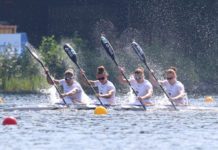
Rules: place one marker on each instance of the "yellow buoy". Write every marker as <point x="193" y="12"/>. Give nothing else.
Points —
<point x="1" y="100"/>
<point x="208" y="99"/>
<point x="100" y="110"/>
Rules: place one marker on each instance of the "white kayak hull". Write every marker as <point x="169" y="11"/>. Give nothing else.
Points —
<point x="118" y="108"/>
<point x="140" y="108"/>
<point x="84" y="107"/>
<point x="49" y="107"/>
<point x="32" y="108"/>
<point x="166" y="107"/>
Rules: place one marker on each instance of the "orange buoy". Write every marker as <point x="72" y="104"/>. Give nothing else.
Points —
<point x="9" y="121"/>
<point x="100" y="110"/>
<point x="1" y="100"/>
<point x="208" y="99"/>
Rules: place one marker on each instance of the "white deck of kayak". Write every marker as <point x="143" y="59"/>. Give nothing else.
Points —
<point x="92" y="107"/>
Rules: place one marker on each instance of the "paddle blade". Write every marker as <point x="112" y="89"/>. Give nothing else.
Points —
<point x="70" y="52"/>
<point x="137" y="48"/>
<point x="32" y="50"/>
<point x="107" y="46"/>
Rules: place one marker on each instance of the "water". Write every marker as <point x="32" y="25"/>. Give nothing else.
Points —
<point x="70" y="129"/>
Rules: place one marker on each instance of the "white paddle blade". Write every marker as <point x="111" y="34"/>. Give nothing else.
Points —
<point x="31" y="50"/>
<point x="137" y="48"/>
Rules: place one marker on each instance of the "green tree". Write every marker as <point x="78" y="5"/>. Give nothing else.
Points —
<point x="53" y="56"/>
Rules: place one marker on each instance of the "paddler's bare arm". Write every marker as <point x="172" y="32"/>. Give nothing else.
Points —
<point x="107" y="95"/>
<point x="181" y="95"/>
<point x="90" y="82"/>
<point x="51" y="79"/>
<point x="153" y="81"/>
<point x="70" y="93"/>
<point x="120" y="77"/>
<point x="148" y="95"/>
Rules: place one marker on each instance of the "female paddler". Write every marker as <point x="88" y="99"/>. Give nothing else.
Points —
<point x="106" y="89"/>
<point x="174" y="88"/>
<point x="140" y="85"/>
<point x="72" y="90"/>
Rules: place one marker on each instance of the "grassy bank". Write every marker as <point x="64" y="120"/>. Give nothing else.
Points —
<point x="31" y="84"/>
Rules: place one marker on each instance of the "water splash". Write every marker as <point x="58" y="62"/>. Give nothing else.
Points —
<point x="53" y="95"/>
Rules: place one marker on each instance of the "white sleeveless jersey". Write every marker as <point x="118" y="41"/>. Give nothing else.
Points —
<point x="79" y="96"/>
<point x="174" y="90"/>
<point x="104" y="89"/>
<point x="141" y="89"/>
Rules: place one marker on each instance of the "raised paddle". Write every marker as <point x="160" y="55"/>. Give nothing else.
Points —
<point x="138" y="50"/>
<point x="72" y="55"/>
<point x="110" y="51"/>
<point x="32" y="50"/>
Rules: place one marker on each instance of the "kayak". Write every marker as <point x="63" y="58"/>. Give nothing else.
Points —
<point x="48" y="107"/>
<point x="139" y="108"/>
<point x="114" y="107"/>
<point x="33" y="108"/>
<point x="166" y="107"/>
<point x="84" y="107"/>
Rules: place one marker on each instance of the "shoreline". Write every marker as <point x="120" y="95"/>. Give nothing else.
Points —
<point x="202" y="88"/>
<point x="21" y="92"/>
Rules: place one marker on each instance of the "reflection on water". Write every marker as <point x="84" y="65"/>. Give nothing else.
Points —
<point x="70" y="129"/>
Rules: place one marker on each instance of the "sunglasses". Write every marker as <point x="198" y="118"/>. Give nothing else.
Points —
<point x="102" y="78"/>
<point x="138" y="77"/>
<point x="68" y="78"/>
<point x="170" y="78"/>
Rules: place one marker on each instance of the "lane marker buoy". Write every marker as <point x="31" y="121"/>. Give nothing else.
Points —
<point x="1" y="100"/>
<point x="208" y="99"/>
<point x="100" y="110"/>
<point x="9" y="121"/>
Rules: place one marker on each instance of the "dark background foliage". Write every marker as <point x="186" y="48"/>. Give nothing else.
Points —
<point x="179" y="33"/>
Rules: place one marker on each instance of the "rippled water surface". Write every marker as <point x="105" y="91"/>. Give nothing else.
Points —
<point x="128" y="130"/>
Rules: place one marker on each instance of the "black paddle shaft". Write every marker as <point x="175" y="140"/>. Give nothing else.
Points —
<point x="31" y="49"/>
<point x="110" y="51"/>
<point x="72" y="55"/>
<point x="138" y="50"/>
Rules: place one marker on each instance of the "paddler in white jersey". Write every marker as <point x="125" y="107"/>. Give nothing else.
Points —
<point x="72" y="90"/>
<point x="106" y="89"/>
<point x="140" y="85"/>
<point x="175" y="89"/>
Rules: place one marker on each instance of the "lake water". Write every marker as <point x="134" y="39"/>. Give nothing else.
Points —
<point x="127" y="130"/>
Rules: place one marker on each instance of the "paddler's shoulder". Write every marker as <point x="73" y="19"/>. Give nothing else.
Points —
<point x="179" y="83"/>
<point x="109" y="83"/>
<point x="76" y="83"/>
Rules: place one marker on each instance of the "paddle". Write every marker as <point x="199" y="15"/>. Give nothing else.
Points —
<point x="138" y="50"/>
<point x="110" y="51"/>
<point x="72" y="55"/>
<point x="31" y="49"/>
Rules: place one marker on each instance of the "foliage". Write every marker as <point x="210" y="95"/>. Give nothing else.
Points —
<point x="53" y="56"/>
<point x="174" y="32"/>
<point x="26" y="84"/>
<point x="19" y="73"/>
<point x="23" y="73"/>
